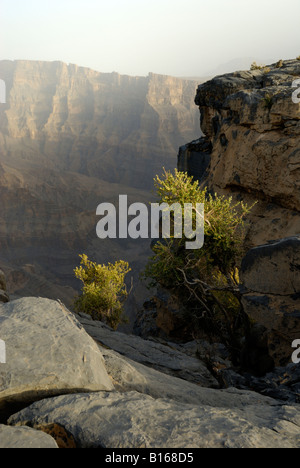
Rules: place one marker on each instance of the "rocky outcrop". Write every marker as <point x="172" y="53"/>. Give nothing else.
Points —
<point x="270" y="275"/>
<point x="251" y="151"/>
<point x="252" y="126"/>
<point x="47" y="353"/>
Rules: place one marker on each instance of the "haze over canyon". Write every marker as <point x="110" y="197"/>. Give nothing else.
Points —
<point x="71" y="138"/>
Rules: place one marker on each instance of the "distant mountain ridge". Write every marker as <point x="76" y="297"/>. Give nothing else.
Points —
<point x="96" y="123"/>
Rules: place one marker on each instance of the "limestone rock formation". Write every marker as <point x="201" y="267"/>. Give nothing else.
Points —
<point x="47" y="353"/>
<point x="24" y="438"/>
<point x="106" y="125"/>
<point x="133" y="420"/>
<point x="52" y="356"/>
<point x="252" y="127"/>
<point x="270" y="276"/>
<point x="251" y="151"/>
<point x="129" y="375"/>
<point x="166" y="359"/>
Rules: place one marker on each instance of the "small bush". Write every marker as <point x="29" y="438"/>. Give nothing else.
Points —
<point x="255" y="66"/>
<point x="223" y="229"/>
<point x="205" y="280"/>
<point x="298" y="58"/>
<point x="264" y="68"/>
<point x="103" y="291"/>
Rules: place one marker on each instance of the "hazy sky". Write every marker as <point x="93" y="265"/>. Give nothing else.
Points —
<point x="173" y="37"/>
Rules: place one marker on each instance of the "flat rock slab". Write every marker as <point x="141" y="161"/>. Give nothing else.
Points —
<point x="24" y="438"/>
<point x="132" y="420"/>
<point x="158" y="356"/>
<point x="128" y="375"/>
<point x="48" y="353"/>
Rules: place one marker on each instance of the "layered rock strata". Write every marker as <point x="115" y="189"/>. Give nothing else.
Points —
<point x="251" y="151"/>
<point x="251" y="146"/>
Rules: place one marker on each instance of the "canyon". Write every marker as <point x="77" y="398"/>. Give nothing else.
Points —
<point x="89" y="386"/>
<point x="70" y="139"/>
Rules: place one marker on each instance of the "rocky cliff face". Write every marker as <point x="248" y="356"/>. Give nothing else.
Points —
<point x="71" y="138"/>
<point x="251" y="151"/>
<point x="69" y="118"/>
<point x="251" y="146"/>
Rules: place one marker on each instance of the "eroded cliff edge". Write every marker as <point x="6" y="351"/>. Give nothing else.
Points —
<point x="251" y="151"/>
<point x="251" y="146"/>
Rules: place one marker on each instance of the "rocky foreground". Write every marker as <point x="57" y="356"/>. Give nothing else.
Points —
<point x="72" y="382"/>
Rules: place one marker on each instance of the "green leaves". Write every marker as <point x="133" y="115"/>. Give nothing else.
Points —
<point x="178" y="188"/>
<point x="103" y="291"/>
<point x="224" y="229"/>
<point x="204" y="280"/>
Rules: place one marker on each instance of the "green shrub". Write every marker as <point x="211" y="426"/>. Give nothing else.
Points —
<point x="255" y="66"/>
<point x="103" y="291"/>
<point x="205" y="280"/>
<point x="224" y="231"/>
<point x="264" y="68"/>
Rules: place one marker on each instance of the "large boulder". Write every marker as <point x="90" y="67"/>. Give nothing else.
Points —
<point x="48" y="353"/>
<point x="270" y="275"/>
<point x="25" y="438"/>
<point x="132" y="420"/>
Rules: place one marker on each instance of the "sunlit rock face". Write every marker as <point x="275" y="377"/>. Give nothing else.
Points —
<point x="251" y="151"/>
<point x="71" y="138"/>
<point x="251" y="119"/>
<point x="110" y="126"/>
